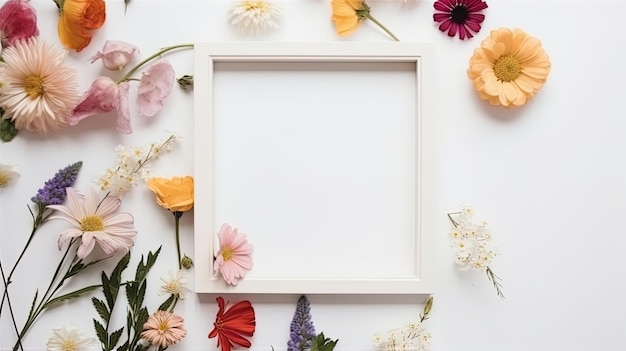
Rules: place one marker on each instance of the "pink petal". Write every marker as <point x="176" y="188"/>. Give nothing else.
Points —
<point x="115" y="54"/>
<point x="87" y="243"/>
<point x="155" y="85"/>
<point x="18" y="20"/>
<point x="123" y="110"/>
<point x="101" y="97"/>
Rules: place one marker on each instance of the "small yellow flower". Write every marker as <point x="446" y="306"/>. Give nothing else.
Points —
<point x="174" y="194"/>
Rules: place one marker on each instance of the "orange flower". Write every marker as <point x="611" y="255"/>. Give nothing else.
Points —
<point x="509" y="67"/>
<point x="174" y="194"/>
<point x="231" y="326"/>
<point x="77" y="17"/>
<point x="348" y="14"/>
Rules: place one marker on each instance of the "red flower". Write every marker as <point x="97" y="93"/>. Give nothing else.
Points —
<point x="18" y="20"/>
<point x="459" y="16"/>
<point x="231" y="326"/>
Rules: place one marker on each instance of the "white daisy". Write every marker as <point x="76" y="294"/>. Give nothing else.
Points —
<point x="38" y="90"/>
<point x="254" y="16"/>
<point x="69" y="338"/>
<point x="7" y="175"/>
<point x="174" y="284"/>
<point x="95" y="220"/>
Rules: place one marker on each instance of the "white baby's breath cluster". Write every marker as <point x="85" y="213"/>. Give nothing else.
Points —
<point x="473" y="244"/>
<point x="411" y="337"/>
<point x="132" y="165"/>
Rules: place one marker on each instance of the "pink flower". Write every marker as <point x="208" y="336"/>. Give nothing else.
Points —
<point x="115" y="54"/>
<point x="18" y="20"/>
<point x="155" y="85"/>
<point x="95" y="220"/>
<point x="104" y="95"/>
<point x="234" y="257"/>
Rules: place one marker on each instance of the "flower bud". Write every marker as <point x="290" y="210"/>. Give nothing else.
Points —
<point x="185" y="82"/>
<point x="115" y="55"/>
<point x="186" y="262"/>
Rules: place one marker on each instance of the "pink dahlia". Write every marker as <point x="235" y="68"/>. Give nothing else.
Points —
<point x="459" y="16"/>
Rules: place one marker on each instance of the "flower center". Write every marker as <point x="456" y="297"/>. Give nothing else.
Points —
<point x="255" y="5"/>
<point x="68" y="345"/>
<point x="227" y="253"/>
<point x="91" y="224"/>
<point x="507" y="68"/>
<point x="172" y="288"/>
<point x="459" y="14"/>
<point x="163" y="327"/>
<point x="4" y="180"/>
<point x="33" y="85"/>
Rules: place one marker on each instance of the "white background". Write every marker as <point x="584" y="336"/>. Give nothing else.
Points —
<point x="548" y="177"/>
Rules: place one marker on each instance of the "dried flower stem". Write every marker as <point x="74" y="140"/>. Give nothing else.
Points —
<point x="132" y="71"/>
<point x="496" y="281"/>
<point x="371" y="18"/>
<point x="177" y="215"/>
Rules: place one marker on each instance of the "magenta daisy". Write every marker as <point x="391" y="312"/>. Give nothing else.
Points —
<point x="234" y="258"/>
<point x="95" y="220"/>
<point x="459" y="16"/>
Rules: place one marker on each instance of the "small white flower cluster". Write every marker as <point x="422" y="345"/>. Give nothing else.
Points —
<point x="473" y="243"/>
<point x="132" y="164"/>
<point x="412" y="337"/>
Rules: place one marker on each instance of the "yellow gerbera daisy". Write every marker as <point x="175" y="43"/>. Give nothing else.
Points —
<point x="509" y="67"/>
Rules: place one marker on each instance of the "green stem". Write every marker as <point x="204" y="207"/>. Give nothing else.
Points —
<point x="6" y="294"/>
<point x="44" y="300"/>
<point x="177" y="215"/>
<point x="382" y="27"/>
<point x="132" y="71"/>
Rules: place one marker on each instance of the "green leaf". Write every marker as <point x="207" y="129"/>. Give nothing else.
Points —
<point x="321" y="343"/>
<point x="106" y="289"/>
<point x="100" y="332"/>
<point x="167" y="303"/>
<point x="71" y="295"/>
<point x="141" y="294"/>
<point x="75" y="269"/>
<point x="124" y="347"/>
<point x="32" y="305"/>
<point x="115" y="337"/>
<point x="101" y="308"/>
<point x="141" y="319"/>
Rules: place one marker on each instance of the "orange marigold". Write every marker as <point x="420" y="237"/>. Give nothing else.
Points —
<point x="348" y="14"/>
<point x="77" y="18"/>
<point x="509" y="67"/>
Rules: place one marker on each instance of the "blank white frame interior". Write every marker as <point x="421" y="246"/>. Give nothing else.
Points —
<point x="335" y="198"/>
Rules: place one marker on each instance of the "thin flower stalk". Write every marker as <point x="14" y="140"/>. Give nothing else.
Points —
<point x="371" y="18"/>
<point x="132" y="71"/>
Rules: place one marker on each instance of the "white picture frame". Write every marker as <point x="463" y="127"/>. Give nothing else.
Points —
<point x="420" y="58"/>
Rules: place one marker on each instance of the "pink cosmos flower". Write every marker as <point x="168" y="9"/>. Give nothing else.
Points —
<point x="18" y="20"/>
<point x="155" y="85"/>
<point x="95" y="220"/>
<point x="115" y="54"/>
<point x="234" y="259"/>
<point x="104" y="95"/>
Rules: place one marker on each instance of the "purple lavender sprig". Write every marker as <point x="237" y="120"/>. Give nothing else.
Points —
<point x="53" y="191"/>
<point x="301" y="331"/>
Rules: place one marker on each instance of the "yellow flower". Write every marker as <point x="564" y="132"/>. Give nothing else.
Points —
<point x="348" y="14"/>
<point x="174" y="194"/>
<point x="77" y="18"/>
<point x="509" y="67"/>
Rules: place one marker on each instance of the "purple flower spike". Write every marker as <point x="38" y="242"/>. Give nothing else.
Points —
<point x="53" y="191"/>
<point x="301" y="331"/>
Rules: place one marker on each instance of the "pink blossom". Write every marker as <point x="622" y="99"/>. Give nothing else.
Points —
<point x="18" y="20"/>
<point x="115" y="54"/>
<point x="155" y="85"/>
<point x="104" y="95"/>
<point x="234" y="258"/>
